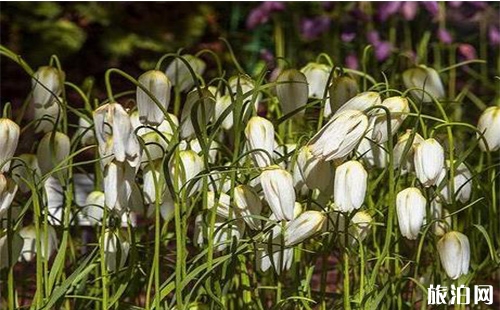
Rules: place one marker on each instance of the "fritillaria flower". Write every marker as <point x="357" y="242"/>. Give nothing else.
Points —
<point x="410" y="207"/>
<point x="9" y="137"/>
<point x="462" y="183"/>
<point x="179" y="74"/>
<point x="317" y="77"/>
<point x="292" y="90"/>
<point x="46" y="86"/>
<point x="361" y="102"/>
<point x="185" y="168"/>
<point x="260" y="139"/>
<point x="429" y="161"/>
<point x="279" y="192"/>
<point x="342" y="89"/>
<point x="115" y="251"/>
<point x="8" y="189"/>
<point x="204" y="104"/>
<point x="399" y="109"/>
<point x="454" y="251"/>
<point x="424" y="83"/>
<point x="48" y="242"/>
<point x="405" y="161"/>
<point x="26" y="169"/>
<point x="54" y="148"/>
<point x="350" y="186"/>
<point x="159" y="85"/>
<point x="248" y="204"/>
<point x="489" y="126"/>
<point x="312" y="171"/>
<point x="304" y="226"/>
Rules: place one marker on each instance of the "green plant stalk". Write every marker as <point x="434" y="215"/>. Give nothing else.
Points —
<point x="104" y="269"/>
<point x="179" y="274"/>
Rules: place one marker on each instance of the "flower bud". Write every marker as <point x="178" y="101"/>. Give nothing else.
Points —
<point x="151" y="173"/>
<point x="410" y="207"/>
<point x="342" y="89"/>
<point x="304" y="226"/>
<point x="93" y="209"/>
<point x="313" y="171"/>
<point x="185" y="169"/>
<point x="429" y="161"/>
<point x="454" y="251"/>
<point x="361" y="102"/>
<point x="46" y="85"/>
<point x="317" y="77"/>
<point x="462" y="183"/>
<point x="26" y="169"/>
<point x="292" y="90"/>
<point x="260" y="139"/>
<point x="279" y="193"/>
<point x="115" y="251"/>
<point x="399" y="109"/>
<point x="427" y="82"/>
<point x="53" y="200"/>
<point x="405" y="149"/>
<point x="48" y="242"/>
<point x="179" y="74"/>
<point x="489" y="126"/>
<point x="204" y="104"/>
<point x="54" y="149"/>
<point x="8" y="189"/>
<point x="221" y="105"/>
<point x="118" y="181"/>
<point x="9" y="137"/>
<point x="441" y="218"/>
<point x="339" y="136"/>
<point x="248" y="203"/>
<point x="159" y="85"/>
<point x="350" y="186"/>
<point x="222" y="204"/>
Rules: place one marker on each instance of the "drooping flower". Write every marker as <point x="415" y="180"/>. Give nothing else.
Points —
<point x="179" y="74"/>
<point x="350" y="186"/>
<point x="317" y="78"/>
<point x="399" y="109"/>
<point x="462" y="183"/>
<point x="48" y="240"/>
<point x="454" y="251"/>
<point x="8" y="189"/>
<point x="260" y="139"/>
<point x="9" y="137"/>
<point x="248" y="204"/>
<point x="342" y="89"/>
<point x="292" y="90"/>
<point x="429" y="160"/>
<point x="361" y="102"/>
<point x="185" y="169"/>
<point x="159" y="85"/>
<point x="339" y="136"/>
<point x="312" y="171"/>
<point x="204" y="104"/>
<point x="46" y="86"/>
<point x="279" y="193"/>
<point x="489" y="126"/>
<point x="304" y="226"/>
<point x="115" y="250"/>
<point x="405" y="160"/>
<point x="424" y="83"/>
<point x="410" y="206"/>
<point x="54" y="149"/>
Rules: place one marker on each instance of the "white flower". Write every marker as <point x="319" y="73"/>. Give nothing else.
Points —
<point x="429" y="161"/>
<point x="441" y="218"/>
<point x="53" y="150"/>
<point x="46" y="117"/>
<point x="115" y="136"/>
<point x="361" y="102"/>
<point x="276" y="254"/>
<point x="115" y="251"/>
<point x="9" y="137"/>
<point x="222" y="104"/>
<point x="427" y="82"/>
<point x="248" y="93"/>
<point x="342" y="89"/>
<point x="399" y="109"/>
<point x="313" y="171"/>
<point x="402" y="159"/>
<point x="304" y="226"/>
<point x="154" y="146"/>
<point x="292" y="90"/>
<point x="153" y="173"/>
<point x="410" y="206"/>
<point x="358" y="229"/>
<point x="8" y="189"/>
<point x="158" y="84"/>
<point x="28" y="234"/>
<point x="260" y="139"/>
<point x="204" y="104"/>
<point x="92" y="212"/>
<point x="212" y="151"/>
<point x="489" y="126"/>
<point x="350" y="186"/>
<point x="185" y="169"/>
<point x="462" y="183"/>
<point x="224" y="232"/>
<point x="86" y="131"/>
<point x="167" y="127"/>
<point x="118" y="182"/>
<point x="249" y="205"/>
<point x="454" y="251"/>
<point x="54" y="200"/>
<point x="46" y="86"/>
<point x="317" y="78"/>
<point x="179" y="74"/>
<point x="339" y="136"/>
<point x="372" y="153"/>
<point x="279" y="193"/>
<point x="221" y="203"/>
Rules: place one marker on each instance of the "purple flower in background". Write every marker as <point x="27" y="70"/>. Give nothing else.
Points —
<point x="444" y="36"/>
<point x="351" y="62"/>
<point x="431" y="6"/>
<point x="387" y="9"/>
<point x="409" y="10"/>
<point x="347" y="36"/>
<point x="467" y="51"/>
<point x="311" y="28"/>
<point x="261" y="14"/>
<point x="494" y="35"/>
<point x="382" y="49"/>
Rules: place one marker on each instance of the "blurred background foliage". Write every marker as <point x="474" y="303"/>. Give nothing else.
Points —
<point x="90" y="37"/>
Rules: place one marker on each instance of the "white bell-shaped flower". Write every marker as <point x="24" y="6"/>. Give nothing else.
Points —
<point x="9" y="137"/>
<point x="454" y="251"/>
<point x="361" y="102"/>
<point x="201" y="105"/>
<point x="489" y="126"/>
<point x="410" y="207"/>
<point x="304" y="226"/>
<point x="179" y="74"/>
<point x="248" y="204"/>
<point x="349" y="186"/>
<point x="339" y="136"/>
<point x="279" y="192"/>
<point x="27" y="168"/>
<point x="424" y="83"/>
<point x="342" y="89"/>
<point x="317" y="78"/>
<point x="462" y="183"/>
<point x="115" y="251"/>
<point x="46" y="86"/>
<point x="8" y="189"/>
<point x="429" y="161"/>
<point x="185" y="168"/>
<point x="46" y="117"/>
<point x="399" y="109"/>
<point x="223" y="104"/>
<point x="292" y="90"/>
<point x="260" y="139"/>
<point x="312" y="171"/>
<point x="158" y="84"/>
<point x="48" y="242"/>
<point x="404" y="151"/>
<point x="54" y="149"/>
